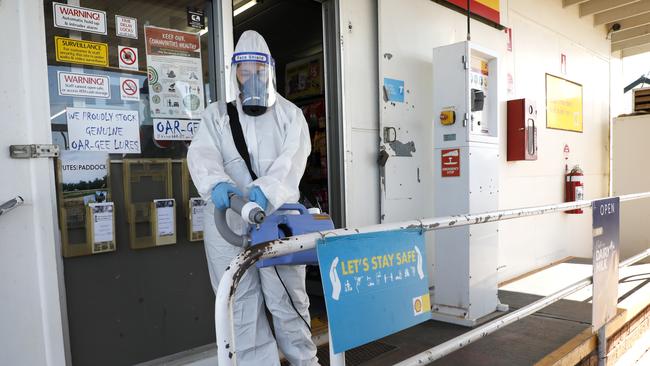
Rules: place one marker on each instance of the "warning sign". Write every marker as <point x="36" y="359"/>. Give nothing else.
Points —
<point x="126" y="27"/>
<point x="81" y="52"/>
<point x="73" y="84"/>
<point x="78" y="18"/>
<point x="128" y="57"/>
<point x="450" y="163"/>
<point x="129" y="89"/>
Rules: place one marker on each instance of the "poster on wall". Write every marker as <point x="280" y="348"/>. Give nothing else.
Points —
<point x="76" y="51"/>
<point x="84" y="175"/>
<point x="79" y="19"/>
<point x="107" y="130"/>
<point x="304" y="78"/>
<point x="174" y="73"/>
<point x="563" y="104"/>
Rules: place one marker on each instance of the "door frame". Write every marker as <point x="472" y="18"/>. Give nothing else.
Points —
<point x="335" y="111"/>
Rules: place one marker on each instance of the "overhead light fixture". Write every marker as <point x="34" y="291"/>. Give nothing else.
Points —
<point x="245" y="7"/>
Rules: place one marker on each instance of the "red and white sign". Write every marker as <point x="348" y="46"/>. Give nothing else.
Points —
<point x="79" y="19"/>
<point x="72" y="84"/>
<point x="128" y="57"/>
<point x="450" y="163"/>
<point x="129" y="89"/>
<point x="126" y="27"/>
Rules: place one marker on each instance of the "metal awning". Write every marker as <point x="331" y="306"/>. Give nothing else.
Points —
<point x="627" y="20"/>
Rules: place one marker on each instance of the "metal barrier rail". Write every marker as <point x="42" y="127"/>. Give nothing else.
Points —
<point x="233" y="274"/>
<point x="11" y="204"/>
<point x="475" y="334"/>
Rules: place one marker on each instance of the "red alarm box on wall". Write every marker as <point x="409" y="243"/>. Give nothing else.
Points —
<point x="522" y="130"/>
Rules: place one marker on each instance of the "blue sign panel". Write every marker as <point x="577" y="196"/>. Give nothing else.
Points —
<point x="606" y="233"/>
<point x="375" y="285"/>
<point x="394" y="90"/>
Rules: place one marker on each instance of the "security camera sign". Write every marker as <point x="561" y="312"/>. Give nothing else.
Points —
<point x="376" y="282"/>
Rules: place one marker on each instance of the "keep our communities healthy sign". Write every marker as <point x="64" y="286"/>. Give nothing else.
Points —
<point x="175" y="73"/>
<point x="376" y="282"/>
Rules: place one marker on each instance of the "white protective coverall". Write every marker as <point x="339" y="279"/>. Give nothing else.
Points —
<point x="278" y="145"/>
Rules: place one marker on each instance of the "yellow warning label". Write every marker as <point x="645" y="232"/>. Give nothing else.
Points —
<point x="81" y="52"/>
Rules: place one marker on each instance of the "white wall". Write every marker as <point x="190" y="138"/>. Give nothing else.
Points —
<point x="542" y="30"/>
<point x="30" y="312"/>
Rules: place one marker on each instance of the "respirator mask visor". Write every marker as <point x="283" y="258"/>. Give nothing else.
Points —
<point x="254" y="75"/>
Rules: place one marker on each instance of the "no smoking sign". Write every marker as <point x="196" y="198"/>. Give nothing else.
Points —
<point x="129" y="89"/>
<point x="128" y="57"/>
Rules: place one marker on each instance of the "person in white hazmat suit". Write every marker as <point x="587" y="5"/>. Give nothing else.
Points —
<point x="277" y="137"/>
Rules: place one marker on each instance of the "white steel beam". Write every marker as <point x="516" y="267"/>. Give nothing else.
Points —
<point x="623" y="12"/>
<point x="567" y="3"/>
<point x="635" y="21"/>
<point x="599" y="6"/>
<point x="630" y="33"/>
<point x="627" y="52"/>
<point x="634" y="42"/>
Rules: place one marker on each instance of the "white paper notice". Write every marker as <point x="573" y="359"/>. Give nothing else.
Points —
<point x="128" y="58"/>
<point x="126" y="27"/>
<point x="165" y="214"/>
<point x="129" y="89"/>
<point x="197" y="205"/>
<point x="108" y="130"/>
<point x="175" y="129"/>
<point x="102" y="222"/>
<point x="73" y="84"/>
<point x="175" y="73"/>
<point x="78" y="18"/>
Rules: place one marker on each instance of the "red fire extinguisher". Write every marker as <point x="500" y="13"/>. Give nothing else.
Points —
<point x="574" y="188"/>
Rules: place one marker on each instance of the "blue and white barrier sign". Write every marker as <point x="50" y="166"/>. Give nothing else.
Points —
<point x="375" y="285"/>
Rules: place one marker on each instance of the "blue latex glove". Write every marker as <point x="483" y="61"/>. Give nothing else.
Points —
<point x="256" y="195"/>
<point x="221" y="195"/>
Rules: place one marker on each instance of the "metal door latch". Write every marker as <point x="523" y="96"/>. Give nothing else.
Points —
<point x="34" y="151"/>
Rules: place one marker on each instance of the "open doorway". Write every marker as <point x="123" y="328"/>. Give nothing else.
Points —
<point x="294" y="32"/>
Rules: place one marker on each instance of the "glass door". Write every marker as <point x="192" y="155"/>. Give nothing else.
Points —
<point x="128" y="81"/>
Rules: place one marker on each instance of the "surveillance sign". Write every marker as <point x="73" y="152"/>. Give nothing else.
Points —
<point x="606" y="231"/>
<point x="376" y="282"/>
